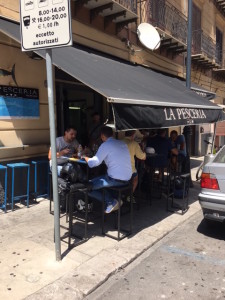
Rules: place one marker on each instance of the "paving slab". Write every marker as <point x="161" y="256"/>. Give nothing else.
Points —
<point x="28" y="268"/>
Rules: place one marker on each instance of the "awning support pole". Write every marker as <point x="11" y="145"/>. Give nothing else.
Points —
<point x="51" y="107"/>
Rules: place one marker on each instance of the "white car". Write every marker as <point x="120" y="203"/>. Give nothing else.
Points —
<point x="212" y="196"/>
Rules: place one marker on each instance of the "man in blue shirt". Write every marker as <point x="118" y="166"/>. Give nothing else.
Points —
<point x="116" y="156"/>
<point x="163" y="147"/>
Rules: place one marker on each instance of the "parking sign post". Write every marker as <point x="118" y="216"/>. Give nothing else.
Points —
<point x="46" y="24"/>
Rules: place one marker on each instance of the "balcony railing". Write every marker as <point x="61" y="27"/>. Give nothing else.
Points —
<point x="120" y="12"/>
<point x="203" y="44"/>
<point x="220" y="4"/>
<point x="219" y="56"/>
<point x="129" y="4"/>
<point x="165" y="16"/>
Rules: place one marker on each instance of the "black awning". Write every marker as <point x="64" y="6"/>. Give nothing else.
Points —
<point x="203" y="92"/>
<point x="141" y="97"/>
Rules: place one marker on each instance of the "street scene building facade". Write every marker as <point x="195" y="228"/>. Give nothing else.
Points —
<point x="110" y="29"/>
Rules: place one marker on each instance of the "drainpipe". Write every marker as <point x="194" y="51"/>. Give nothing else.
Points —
<point x="189" y="41"/>
<point x="187" y="129"/>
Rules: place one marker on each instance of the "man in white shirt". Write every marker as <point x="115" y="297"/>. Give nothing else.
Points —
<point x="116" y="156"/>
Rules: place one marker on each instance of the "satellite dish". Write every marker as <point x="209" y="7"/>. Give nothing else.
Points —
<point x="148" y="36"/>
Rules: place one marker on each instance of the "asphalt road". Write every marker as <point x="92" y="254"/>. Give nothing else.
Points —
<point x="189" y="263"/>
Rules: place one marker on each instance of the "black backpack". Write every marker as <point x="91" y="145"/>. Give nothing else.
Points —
<point x="73" y="173"/>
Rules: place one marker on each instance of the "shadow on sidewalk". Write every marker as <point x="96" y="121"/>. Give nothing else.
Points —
<point x="147" y="216"/>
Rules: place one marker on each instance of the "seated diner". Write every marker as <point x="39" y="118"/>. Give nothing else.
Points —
<point x="66" y="146"/>
<point x="116" y="157"/>
<point x="135" y="151"/>
<point x="163" y="148"/>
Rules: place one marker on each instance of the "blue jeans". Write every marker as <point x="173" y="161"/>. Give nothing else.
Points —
<point x="101" y="182"/>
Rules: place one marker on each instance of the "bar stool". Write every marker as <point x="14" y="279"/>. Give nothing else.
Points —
<point x="120" y="190"/>
<point x="156" y="165"/>
<point x="41" y="168"/>
<point x="75" y="188"/>
<point x="183" y="196"/>
<point x="3" y="193"/>
<point x="20" y="166"/>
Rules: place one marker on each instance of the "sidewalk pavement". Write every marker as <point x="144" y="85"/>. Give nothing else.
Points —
<point x="28" y="267"/>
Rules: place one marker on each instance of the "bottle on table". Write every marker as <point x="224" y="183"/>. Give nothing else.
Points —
<point x="79" y="151"/>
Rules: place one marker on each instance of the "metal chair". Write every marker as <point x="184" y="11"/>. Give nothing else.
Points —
<point x="127" y="188"/>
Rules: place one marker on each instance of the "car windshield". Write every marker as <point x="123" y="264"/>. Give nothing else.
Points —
<point x="220" y="157"/>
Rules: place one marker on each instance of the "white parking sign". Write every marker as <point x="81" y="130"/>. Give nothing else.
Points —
<point x="45" y="24"/>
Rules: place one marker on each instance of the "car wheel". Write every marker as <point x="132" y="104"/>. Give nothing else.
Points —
<point x="209" y="222"/>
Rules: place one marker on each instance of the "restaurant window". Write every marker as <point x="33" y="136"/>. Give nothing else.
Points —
<point x="219" y="46"/>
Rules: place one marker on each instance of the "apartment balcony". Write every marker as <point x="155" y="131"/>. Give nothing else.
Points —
<point x="219" y="56"/>
<point x="169" y="22"/>
<point x="121" y="12"/>
<point x="219" y="73"/>
<point x="203" y="50"/>
<point x="220" y="4"/>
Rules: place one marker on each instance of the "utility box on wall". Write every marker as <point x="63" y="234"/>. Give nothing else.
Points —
<point x="205" y="148"/>
<point x="203" y="132"/>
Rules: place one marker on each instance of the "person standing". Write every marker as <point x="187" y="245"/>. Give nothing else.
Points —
<point x="135" y="151"/>
<point x="94" y="133"/>
<point x="116" y="156"/>
<point x="178" y="142"/>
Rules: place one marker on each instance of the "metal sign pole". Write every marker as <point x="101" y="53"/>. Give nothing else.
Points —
<point x="53" y="153"/>
<point x="46" y="25"/>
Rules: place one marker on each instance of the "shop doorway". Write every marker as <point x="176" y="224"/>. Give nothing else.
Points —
<point x="193" y="139"/>
<point x="75" y="106"/>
